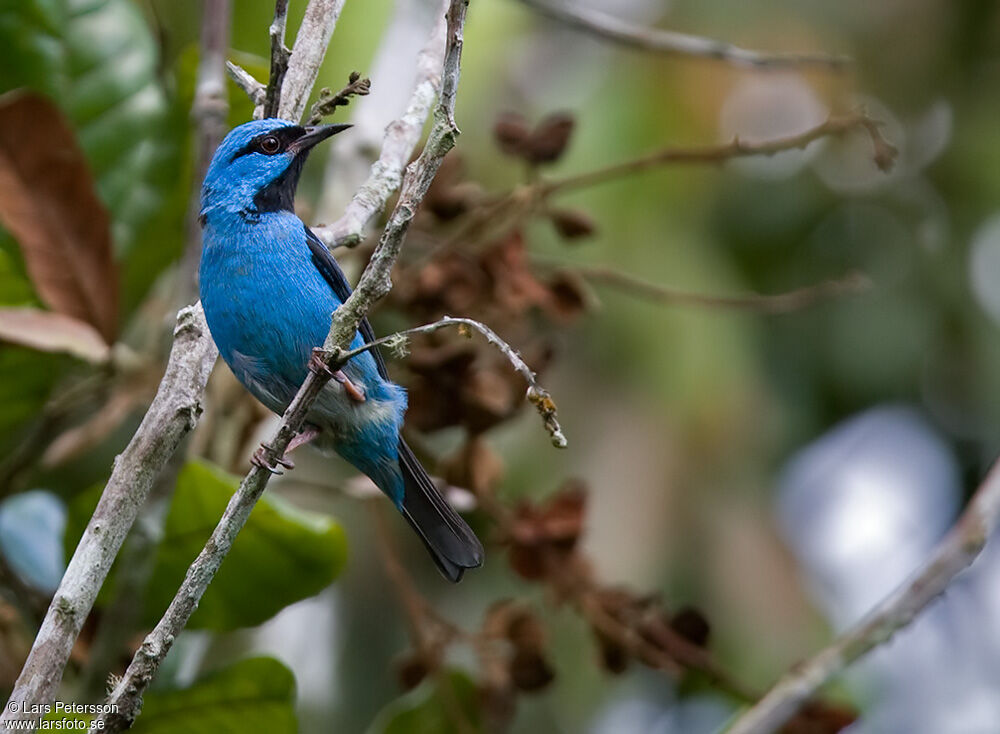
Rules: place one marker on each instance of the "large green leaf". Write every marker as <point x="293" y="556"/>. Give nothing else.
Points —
<point x="98" y="60"/>
<point x="254" y="696"/>
<point x="282" y="555"/>
<point x="440" y="705"/>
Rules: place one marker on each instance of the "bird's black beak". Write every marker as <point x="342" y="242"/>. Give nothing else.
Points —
<point x="315" y="135"/>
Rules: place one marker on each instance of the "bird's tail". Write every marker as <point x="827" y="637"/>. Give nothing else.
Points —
<point x="451" y="542"/>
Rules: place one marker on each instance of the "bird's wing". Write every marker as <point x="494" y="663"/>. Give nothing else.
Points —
<point x="331" y="272"/>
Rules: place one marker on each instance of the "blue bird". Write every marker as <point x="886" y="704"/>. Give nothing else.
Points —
<point x="268" y="287"/>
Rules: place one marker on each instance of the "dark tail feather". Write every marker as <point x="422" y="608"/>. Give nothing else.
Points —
<point x="452" y="544"/>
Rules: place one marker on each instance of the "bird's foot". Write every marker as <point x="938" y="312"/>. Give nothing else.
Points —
<point x="307" y="434"/>
<point x="354" y="392"/>
<point x="318" y="364"/>
<point x="262" y="458"/>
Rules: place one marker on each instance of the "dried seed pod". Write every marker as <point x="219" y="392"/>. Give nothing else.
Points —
<point x="614" y="657"/>
<point x="511" y="133"/>
<point x="550" y="137"/>
<point x="572" y="224"/>
<point x="411" y="669"/>
<point x="530" y="671"/>
<point x="692" y="625"/>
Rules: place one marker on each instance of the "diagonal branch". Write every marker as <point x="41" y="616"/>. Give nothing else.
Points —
<point x="883" y="153"/>
<point x="401" y="137"/>
<point x="607" y="26"/>
<point x="376" y="282"/>
<point x="171" y="416"/>
<point x="125" y="700"/>
<point x="955" y="553"/>
<point x="772" y="304"/>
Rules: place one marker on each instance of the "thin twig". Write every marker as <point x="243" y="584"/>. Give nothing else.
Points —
<point x="279" y="59"/>
<point x="328" y="101"/>
<point x="401" y="137"/>
<point x="954" y="554"/>
<point x="883" y="153"/>
<point x="673" y="43"/>
<point x="538" y="396"/>
<point x="126" y="697"/>
<point x="522" y="202"/>
<point x="172" y="414"/>
<point x="307" y="55"/>
<point x="778" y="303"/>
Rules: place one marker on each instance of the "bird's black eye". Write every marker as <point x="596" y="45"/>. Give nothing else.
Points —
<point x="269" y="145"/>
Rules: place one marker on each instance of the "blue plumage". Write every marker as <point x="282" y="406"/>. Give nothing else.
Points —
<point x="268" y="289"/>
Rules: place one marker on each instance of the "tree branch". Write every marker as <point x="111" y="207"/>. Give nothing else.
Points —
<point x="376" y="282"/>
<point x="672" y="43"/>
<point x="307" y="56"/>
<point x="524" y="201"/>
<point x="172" y="414"/>
<point x="279" y="59"/>
<point x="537" y="395"/>
<point x="254" y="89"/>
<point x="956" y="552"/>
<point x="126" y="697"/>
<point x="127" y="694"/>
<point x="883" y="152"/>
<point x="772" y="304"/>
<point x="401" y="137"/>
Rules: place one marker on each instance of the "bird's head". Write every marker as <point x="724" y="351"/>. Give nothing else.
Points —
<point x="257" y="166"/>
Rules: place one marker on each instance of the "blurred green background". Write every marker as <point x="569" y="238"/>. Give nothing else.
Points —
<point x="680" y="418"/>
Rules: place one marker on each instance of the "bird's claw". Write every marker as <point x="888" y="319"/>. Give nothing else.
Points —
<point x="261" y="458"/>
<point x="318" y="364"/>
<point x="353" y="391"/>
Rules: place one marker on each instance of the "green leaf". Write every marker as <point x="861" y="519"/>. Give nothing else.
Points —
<point x="253" y="696"/>
<point x="283" y="554"/>
<point x="433" y="707"/>
<point x="99" y="61"/>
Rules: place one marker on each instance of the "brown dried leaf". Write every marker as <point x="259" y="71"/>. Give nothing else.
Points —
<point x="563" y="515"/>
<point x="48" y="331"/>
<point x="542" y="538"/>
<point x="48" y="202"/>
